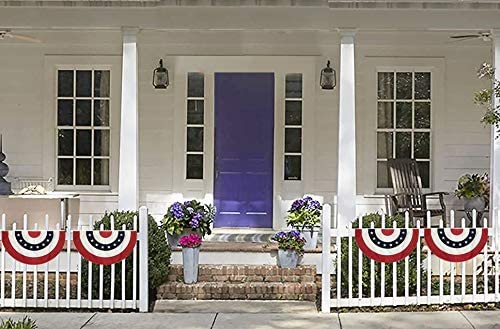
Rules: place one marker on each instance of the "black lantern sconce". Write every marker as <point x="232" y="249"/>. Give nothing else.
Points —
<point x="160" y="77"/>
<point x="328" y="79"/>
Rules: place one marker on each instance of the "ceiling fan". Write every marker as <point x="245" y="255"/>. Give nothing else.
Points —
<point x="8" y="34"/>
<point x="484" y="35"/>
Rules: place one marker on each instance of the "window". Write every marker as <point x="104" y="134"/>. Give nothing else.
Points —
<point x="195" y="125"/>
<point x="293" y="126"/>
<point x="403" y="122"/>
<point x="83" y="127"/>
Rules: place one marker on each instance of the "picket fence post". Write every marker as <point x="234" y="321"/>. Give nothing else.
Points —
<point x="325" y="259"/>
<point x="143" y="260"/>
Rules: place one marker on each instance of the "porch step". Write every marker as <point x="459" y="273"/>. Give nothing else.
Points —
<point x="242" y="282"/>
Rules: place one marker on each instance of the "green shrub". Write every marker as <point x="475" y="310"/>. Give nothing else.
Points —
<point x="25" y="323"/>
<point x="158" y="258"/>
<point x="366" y="277"/>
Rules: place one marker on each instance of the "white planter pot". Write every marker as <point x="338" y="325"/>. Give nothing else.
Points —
<point x="477" y="203"/>
<point x="288" y="258"/>
<point x="190" y="259"/>
<point x="311" y="238"/>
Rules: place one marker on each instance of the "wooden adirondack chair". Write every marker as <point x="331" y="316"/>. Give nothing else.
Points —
<point x="408" y="195"/>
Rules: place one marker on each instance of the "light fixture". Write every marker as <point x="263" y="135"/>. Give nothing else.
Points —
<point x="328" y="79"/>
<point x="160" y="77"/>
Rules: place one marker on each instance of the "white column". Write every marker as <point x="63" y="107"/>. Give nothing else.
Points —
<point x="495" y="142"/>
<point x="346" y="175"/>
<point x="128" y="191"/>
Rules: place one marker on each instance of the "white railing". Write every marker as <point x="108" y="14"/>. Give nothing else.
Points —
<point x="69" y="280"/>
<point x="351" y="279"/>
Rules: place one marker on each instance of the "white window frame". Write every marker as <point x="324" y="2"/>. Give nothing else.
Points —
<point x="412" y="130"/>
<point x="74" y="127"/>
<point x="190" y="125"/>
<point x="301" y="100"/>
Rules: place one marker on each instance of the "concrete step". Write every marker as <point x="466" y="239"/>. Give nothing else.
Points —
<point x="246" y="273"/>
<point x="234" y="306"/>
<point x="242" y="291"/>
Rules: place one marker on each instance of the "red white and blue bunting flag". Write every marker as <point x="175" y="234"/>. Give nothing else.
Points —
<point x="33" y="247"/>
<point x="456" y="244"/>
<point x="386" y="245"/>
<point x="105" y="247"/>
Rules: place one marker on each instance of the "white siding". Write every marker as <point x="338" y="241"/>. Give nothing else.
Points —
<point x="460" y="143"/>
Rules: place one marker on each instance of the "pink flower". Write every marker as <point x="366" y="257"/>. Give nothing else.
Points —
<point x="192" y="240"/>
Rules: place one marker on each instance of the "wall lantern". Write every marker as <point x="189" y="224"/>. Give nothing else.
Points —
<point x="328" y="79"/>
<point x="160" y="77"/>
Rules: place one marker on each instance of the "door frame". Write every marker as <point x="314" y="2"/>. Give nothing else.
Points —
<point x="279" y="65"/>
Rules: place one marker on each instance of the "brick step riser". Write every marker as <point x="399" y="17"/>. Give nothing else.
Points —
<point x="246" y="274"/>
<point x="224" y="291"/>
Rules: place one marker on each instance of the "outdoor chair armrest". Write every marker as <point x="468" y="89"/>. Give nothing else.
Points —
<point x="441" y="199"/>
<point x="395" y="202"/>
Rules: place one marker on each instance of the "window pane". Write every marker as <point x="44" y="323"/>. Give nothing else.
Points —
<point x="64" y="83"/>
<point x="403" y="115"/>
<point x="83" y="113"/>
<point x="424" y="171"/>
<point x="403" y="85"/>
<point x="101" y="172"/>
<point x="196" y="85"/>
<point x="101" y="113"/>
<point x="82" y="171"/>
<point x="83" y="142"/>
<point x="83" y="83"/>
<point x="101" y="142"/>
<point x="385" y="85"/>
<point x="195" y="139"/>
<point x="101" y="83"/>
<point x="422" y="85"/>
<point x="383" y="178"/>
<point x="293" y="86"/>
<point x="293" y="167"/>
<point x="65" y="142"/>
<point x="195" y="111"/>
<point x="403" y="145"/>
<point x="385" y="115"/>
<point x="65" y="171"/>
<point x="422" y="145"/>
<point x="194" y="166"/>
<point x="422" y="115"/>
<point x="384" y="145"/>
<point x="64" y="112"/>
<point x="293" y="113"/>
<point x="293" y="140"/>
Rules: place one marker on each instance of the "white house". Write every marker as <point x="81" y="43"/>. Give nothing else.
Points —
<point x="244" y="121"/>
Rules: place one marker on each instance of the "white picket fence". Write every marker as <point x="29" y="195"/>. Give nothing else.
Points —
<point x="64" y="283"/>
<point x="425" y="280"/>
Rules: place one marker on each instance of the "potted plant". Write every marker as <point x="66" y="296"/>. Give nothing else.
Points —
<point x="190" y="256"/>
<point x="188" y="217"/>
<point x="290" y="247"/>
<point x="305" y="215"/>
<point x="475" y="190"/>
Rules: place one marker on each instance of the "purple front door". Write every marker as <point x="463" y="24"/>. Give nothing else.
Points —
<point x="244" y="134"/>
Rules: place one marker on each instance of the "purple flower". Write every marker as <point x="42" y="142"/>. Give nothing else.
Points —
<point x="295" y="234"/>
<point x="176" y="210"/>
<point x="187" y="203"/>
<point x="195" y="221"/>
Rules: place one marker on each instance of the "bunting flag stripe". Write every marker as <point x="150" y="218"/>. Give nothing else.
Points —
<point x="456" y="244"/>
<point x="33" y="247"/>
<point x="105" y="247"/>
<point x="386" y="245"/>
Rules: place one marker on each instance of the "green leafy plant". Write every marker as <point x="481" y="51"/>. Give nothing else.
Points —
<point x="473" y="185"/>
<point x="158" y="257"/>
<point x="25" y="323"/>
<point x="366" y="265"/>
<point x="191" y="215"/>
<point x="304" y="214"/>
<point x="484" y="97"/>
<point x="290" y="241"/>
